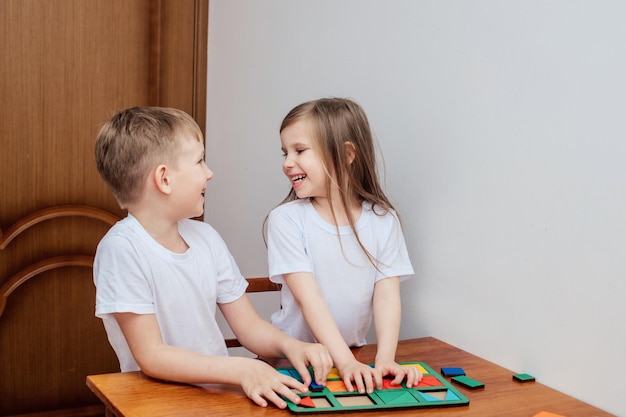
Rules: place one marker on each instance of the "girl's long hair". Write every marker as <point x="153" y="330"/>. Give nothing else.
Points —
<point x="337" y="124"/>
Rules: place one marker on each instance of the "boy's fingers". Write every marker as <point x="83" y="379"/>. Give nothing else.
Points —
<point x="258" y="400"/>
<point x="321" y="373"/>
<point x="277" y="394"/>
<point x="278" y="401"/>
<point x="321" y="367"/>
<point x="304" y="374"/>
<point x="294" y="383"/>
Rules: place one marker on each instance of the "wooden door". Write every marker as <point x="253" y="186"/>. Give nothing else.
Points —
<point x="67" y="66"/>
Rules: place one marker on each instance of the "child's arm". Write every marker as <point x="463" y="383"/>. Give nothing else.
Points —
<point x="387" y="313"/>
<point x="307" y="294"/>
<point x="260" y="337"/>
<point x="260" y="382"/>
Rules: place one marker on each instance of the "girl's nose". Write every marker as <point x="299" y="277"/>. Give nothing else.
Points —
<point x="287" y="162"/>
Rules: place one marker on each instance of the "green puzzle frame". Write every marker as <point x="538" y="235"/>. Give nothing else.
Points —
<point x="433" y="391"/>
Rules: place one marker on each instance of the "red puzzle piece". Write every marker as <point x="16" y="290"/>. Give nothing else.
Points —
<point x="306" y="402"/>
<point x="429" y="381"/>
<point x="388" y="384"/>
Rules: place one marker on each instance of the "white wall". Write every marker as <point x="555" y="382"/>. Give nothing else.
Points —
<point x="502" y="127"/>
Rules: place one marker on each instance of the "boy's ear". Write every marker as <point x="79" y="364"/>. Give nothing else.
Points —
<point x="162" y="180"/>
<point x="350" y="151"/>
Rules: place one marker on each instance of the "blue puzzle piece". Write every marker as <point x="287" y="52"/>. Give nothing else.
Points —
<point x="295" y="375"/>
<point x="450" y="396"/>
<point x="316" y="387"/>
<point x="452" y="371"/>
<point x="429" y="398"/>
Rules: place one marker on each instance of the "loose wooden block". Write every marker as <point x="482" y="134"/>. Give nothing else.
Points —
<point x="523" y="378"/>
<point x="468" y="382"/>
<point x="452" y="371"/>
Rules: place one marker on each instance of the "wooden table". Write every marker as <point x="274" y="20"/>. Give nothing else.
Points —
<point x="132" y="394"/>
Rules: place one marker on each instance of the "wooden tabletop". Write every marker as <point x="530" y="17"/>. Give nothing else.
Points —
<point x="132" y="394"/>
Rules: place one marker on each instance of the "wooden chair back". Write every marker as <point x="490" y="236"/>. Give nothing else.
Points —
<point x="50" y="339"/>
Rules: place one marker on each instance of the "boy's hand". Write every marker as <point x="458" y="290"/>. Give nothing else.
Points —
<point x="262" y="383"/>
<point x="302" y="355"/>
<point x="364" y="376"/>
<point x="411" y="373"/>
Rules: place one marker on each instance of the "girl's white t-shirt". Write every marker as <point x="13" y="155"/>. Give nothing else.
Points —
<point x="299" y="240"/>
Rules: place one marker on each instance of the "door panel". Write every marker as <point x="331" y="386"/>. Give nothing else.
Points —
<point x="67" y="66"/>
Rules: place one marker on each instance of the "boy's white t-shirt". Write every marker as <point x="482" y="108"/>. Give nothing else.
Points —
<point x="133" y="273"/>
<point x="299" y="240"/>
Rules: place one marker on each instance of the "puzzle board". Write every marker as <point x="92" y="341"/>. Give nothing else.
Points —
<point x="432" y="391"/>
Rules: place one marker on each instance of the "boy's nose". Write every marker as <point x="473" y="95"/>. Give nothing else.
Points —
<point x="209" y="173"/>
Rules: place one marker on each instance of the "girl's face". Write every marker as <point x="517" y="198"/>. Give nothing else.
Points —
<point x="302" y="164"/>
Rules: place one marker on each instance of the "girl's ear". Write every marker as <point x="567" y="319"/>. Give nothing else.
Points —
<point x="162" y="180"/>
<point x="350" y="152"/>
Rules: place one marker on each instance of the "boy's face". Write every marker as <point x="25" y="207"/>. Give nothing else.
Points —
<point x="189" y="176"/>
<point x="302" y="164"/>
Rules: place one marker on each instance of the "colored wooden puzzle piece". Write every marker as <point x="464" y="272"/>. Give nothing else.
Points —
<point x="435" y="396"/>
<point x="315" y="387"/>
<point x="306" y="402"/>
<point x="419" y="367"/>
<point x="547" y="414"/>
<point x="397" y="397"/>
<point x="333" y="374"/>
<point x="429" y="381"/>
<point x="523" y="378"/>
<point x="468" y="382"/>
<point x="388" y="384"/>
<point x="452" y="371"/>
<point x="336" y="386"/>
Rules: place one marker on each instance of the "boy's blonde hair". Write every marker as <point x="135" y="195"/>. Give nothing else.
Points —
<point x="134" y="141"/>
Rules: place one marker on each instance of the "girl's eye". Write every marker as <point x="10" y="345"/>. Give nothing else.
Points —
<point x="297" y="151"/>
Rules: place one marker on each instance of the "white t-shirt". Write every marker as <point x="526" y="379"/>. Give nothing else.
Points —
<point x="134" y="273"/>
<point x="299" y="240"/>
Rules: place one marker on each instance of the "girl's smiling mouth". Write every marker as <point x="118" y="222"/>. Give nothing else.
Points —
<point x="297" y="178"/>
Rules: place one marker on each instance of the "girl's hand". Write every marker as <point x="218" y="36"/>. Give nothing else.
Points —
<point x="364" y="376"/>
<point x="262" y="384"/>
<point x="411" y="373"/>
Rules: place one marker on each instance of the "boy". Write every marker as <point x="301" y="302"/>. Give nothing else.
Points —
<point x="159" y="275"/>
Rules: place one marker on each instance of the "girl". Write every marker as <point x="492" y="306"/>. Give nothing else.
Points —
<point x="336" y="244"/>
